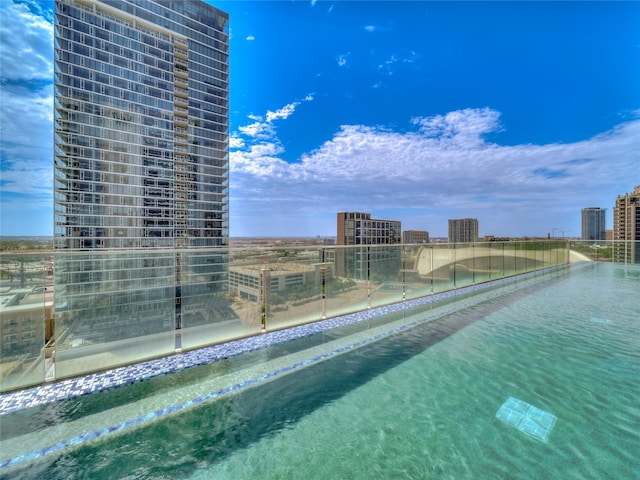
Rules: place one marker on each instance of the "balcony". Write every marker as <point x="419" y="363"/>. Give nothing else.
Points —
<point x="182" y="92"/>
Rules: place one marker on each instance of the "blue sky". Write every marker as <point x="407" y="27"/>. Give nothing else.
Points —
<point x="519" y="114"/>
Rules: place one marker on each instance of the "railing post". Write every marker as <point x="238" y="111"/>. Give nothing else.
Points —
<point x="454" y="265"/>
<point x="431" y="267"/>
<point x="404" y="290"/>
<point x="368" y="276"/>
<point x="626" y="253"/>
<point x="263" y="295"/>
<point x="323" y="273"/>
<point x="473" y="263"/>
<point x="49" y="319"/>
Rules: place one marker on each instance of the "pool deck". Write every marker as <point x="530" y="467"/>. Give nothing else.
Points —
<point x="98" y="382"/>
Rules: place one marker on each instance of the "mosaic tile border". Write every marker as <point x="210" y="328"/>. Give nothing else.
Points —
<point x="101" y="381"/>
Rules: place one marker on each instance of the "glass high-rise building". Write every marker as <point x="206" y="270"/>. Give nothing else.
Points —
<point x="594" y="223"/>
<point x="141" y="166"/>
<point x="378" y="237"/>
<point x="142" y="118"/>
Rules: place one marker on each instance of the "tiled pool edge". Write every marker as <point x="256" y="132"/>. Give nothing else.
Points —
<point x="114" y="378"/>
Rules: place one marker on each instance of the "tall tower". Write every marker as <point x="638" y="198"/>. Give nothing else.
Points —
<point x="594" y="223"/>
<point x="140" y="159"/>
<point x="358" y="228"/>
<point x="626" y="227"/>
<point x="373" y="245"/>
<point x="463" y="230"/>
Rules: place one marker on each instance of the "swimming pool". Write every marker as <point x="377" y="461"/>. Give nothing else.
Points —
<point x="421" y="402"/>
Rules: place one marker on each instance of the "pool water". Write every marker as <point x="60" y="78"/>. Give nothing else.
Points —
<point x="420" y="403"/>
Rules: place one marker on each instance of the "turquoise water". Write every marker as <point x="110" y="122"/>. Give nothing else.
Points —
<point x="419" y="404"/>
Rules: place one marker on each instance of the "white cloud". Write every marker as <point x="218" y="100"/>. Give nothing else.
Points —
<point x="462" y="126"/>
<point x="405" y="57"/>
<point x="378" y="28"/>
<point x="257" y="130"/>
<point x="262" y="128"/>
<point x="27" y="40"/>
<point x="26" y="108"/>
<point x="236" y="142"/>
<point x="411" y="57"/>
<point x="387" y="66"/>
<point x="444" y="165"/>
<point x="342" y="59"/>
<point x="282" y="113"/>
<point x="250" y="38"/>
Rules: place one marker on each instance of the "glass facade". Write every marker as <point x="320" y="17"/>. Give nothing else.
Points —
<point x="593" y="223"/>
<point x="141" y="116"/>
<point x="140" y="163"/>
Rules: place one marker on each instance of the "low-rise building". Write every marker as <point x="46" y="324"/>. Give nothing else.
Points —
<point x="411" y="237"/>
<point x="25" y="316"/>
<point x="246" y="281"/>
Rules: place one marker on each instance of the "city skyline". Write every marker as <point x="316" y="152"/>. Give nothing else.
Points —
<point x="518" y="114"/>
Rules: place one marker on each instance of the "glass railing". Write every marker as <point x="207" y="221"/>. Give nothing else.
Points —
<point x="606" y="250"/>
<point x="65" y="314"/>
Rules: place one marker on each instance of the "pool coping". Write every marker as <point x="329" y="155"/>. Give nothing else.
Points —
<point x="72" y="388"/>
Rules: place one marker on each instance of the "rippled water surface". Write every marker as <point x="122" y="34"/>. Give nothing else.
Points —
<point x="422" y="404"/>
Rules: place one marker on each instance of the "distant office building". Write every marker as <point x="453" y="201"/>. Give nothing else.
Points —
<point x="493" y="238"/>
<point x="626" y="227"/>
<point x="140" y="160"/>
<point x="358" y="228"/>
<point x="594" y="223"/>
<point x="463" y="230"/>
<point x="411" y="237"/>
<point x="245" y="280"/>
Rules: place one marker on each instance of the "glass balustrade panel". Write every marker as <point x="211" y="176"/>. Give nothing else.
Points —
<point x="464" y="265"/>
<point x="442" y="273"/>
<point x="293" y="281"/>
<point x="481" y="262"/>
<point x="386" y="274"/>
<point x="113" y="308"/>
<point x="220" y="294"/>
<point x="348" y="289"/>
<point x="497" y="260"/>
<point x="520" y="257"/>
<point x="26" y="301"/>
<point x="417" y="261"/>
<point x="245" y="293"/>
